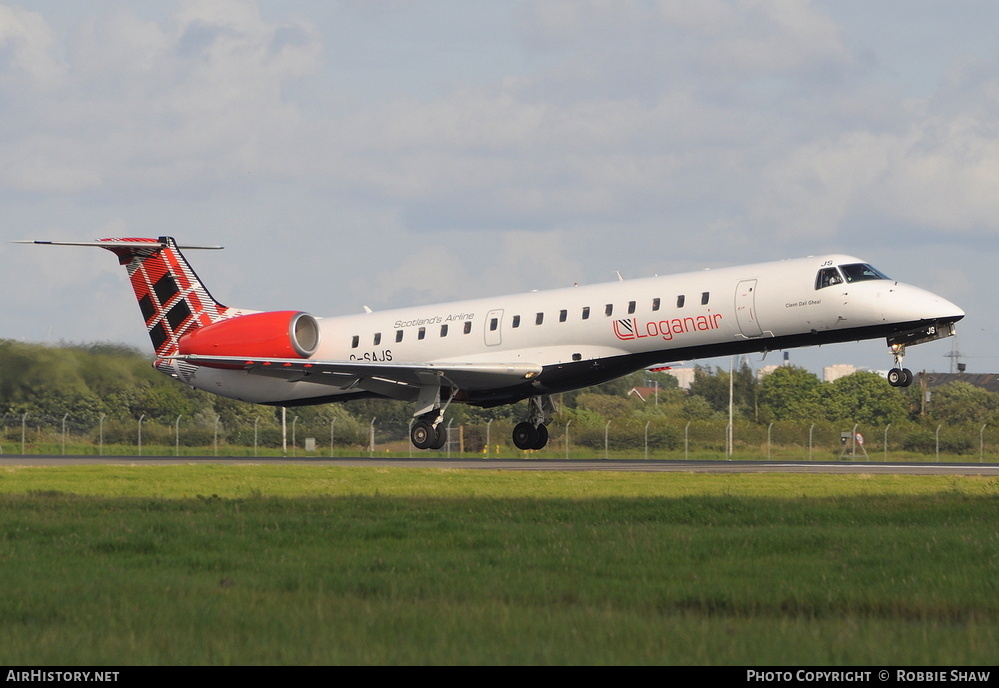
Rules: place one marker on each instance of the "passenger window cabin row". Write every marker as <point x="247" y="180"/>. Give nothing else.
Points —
<point x="539" y="319"/>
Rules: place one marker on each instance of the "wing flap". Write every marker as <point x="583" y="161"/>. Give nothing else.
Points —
<point x="350" y="374"/>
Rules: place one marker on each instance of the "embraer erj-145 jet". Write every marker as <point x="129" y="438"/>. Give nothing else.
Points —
<point x="501" y="350"/>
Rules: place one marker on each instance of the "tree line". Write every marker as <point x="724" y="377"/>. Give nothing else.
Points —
<point x="115" y="385"/>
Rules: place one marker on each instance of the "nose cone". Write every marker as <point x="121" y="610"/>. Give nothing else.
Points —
<point x="957" y="312"/>
<point x="912" y="304"/>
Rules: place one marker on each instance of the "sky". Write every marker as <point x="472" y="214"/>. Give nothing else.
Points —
<point x="398" y="152"/>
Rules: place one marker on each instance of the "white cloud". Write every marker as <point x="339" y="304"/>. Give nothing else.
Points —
<point x="764" y="38"/>
<point x="947" y="175"/>
<point x="27" y="51"/>
<point x="198" y="99"/>
<point x="502" y="147"/>
<point x="940" y="171"/>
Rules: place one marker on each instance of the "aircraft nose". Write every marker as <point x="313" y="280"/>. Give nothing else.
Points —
<point x="958" y="312"/>
<point x="918" y="304"/>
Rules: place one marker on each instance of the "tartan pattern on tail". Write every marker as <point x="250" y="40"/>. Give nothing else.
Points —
<point x="172" y="299"/>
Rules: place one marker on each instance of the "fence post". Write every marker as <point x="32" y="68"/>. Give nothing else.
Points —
<point x="332" y="423"/>
<point x="606" y="442"/>
<point x="647" y="439"/>
<point x="176" y="436"/>
<point x="64" y="434"/>
<point x="140" y="433"/>
<point x="567" y="424"/>
<point x="371" y="436"/>
<point x="886" y="441"/>
<point x="981" y="443"/>
<point x="810" y="430"/>
<point x="488" y="423"/>
<point x="769" y="428"/>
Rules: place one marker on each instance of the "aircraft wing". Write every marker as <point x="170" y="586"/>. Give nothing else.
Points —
<point x="365" y="374"/>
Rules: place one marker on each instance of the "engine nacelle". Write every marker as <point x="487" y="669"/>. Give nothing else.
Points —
<point x="276" y="334"/>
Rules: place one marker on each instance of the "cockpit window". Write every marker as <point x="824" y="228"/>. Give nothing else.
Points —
<point x="860" y="272"/>
<point x="852" y="272"/>
<point x="827" y="277"/>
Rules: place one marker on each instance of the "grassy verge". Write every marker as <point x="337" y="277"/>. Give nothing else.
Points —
<point x="210" y="564"/>
<point x="553" y="451"/>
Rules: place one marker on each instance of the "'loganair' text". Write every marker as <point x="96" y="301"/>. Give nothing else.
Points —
<point x="667" y="329"/>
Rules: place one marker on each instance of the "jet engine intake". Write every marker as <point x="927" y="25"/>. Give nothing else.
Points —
<point x="275" y="334"/>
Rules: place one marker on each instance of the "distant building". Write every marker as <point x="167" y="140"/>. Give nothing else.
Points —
<point x="643" y="393"/>
<point x="829" y="373"/>
<point x="987" y="381"/>
<point x="684" y="376"/>
<point x="766" y="370"/>
<point x="835" y="372"/>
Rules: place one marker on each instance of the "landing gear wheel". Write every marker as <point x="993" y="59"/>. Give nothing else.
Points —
<point x="542" y="437"/>
<point x="441" y="438"/>
<point x="899" y="377"/>
<point x="425" y="436"/>
<point x="422" y="435"/>
<point x="526" y="436"/>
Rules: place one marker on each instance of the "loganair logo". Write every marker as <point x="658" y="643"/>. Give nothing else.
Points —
<point x="667" y="329"/>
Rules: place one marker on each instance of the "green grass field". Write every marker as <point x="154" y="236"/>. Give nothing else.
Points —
<point x="296" y="564"/>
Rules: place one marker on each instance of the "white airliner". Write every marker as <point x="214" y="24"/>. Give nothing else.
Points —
<point x="500" y="350"/>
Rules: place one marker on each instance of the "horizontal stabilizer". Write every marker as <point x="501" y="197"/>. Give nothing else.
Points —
<point x="113" y="243"/>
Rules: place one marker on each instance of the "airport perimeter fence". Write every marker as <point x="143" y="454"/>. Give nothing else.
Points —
<point x="658" y="438"/>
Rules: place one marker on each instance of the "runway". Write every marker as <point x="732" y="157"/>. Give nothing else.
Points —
<point x="626" y="465"/>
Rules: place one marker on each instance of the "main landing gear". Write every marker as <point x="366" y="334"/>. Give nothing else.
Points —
<point x="533" y="434"/>
<point x="428" y="434"/>
<point x="429" y="431"/>
<point x="899" y="376"/>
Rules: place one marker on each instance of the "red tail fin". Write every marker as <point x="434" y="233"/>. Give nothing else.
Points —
<point x="172" y="299"/>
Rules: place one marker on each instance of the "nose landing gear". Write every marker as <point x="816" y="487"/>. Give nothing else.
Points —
<point x="899" y="376"/>
<point x="902" y="377"/>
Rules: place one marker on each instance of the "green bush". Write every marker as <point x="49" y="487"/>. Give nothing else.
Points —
<point x="925" y="441"/>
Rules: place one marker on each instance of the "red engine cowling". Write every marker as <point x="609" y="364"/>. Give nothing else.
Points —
<point x="277" y="334"/>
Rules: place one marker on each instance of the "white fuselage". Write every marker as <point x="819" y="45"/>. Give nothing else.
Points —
<point x="588" y="334"/>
